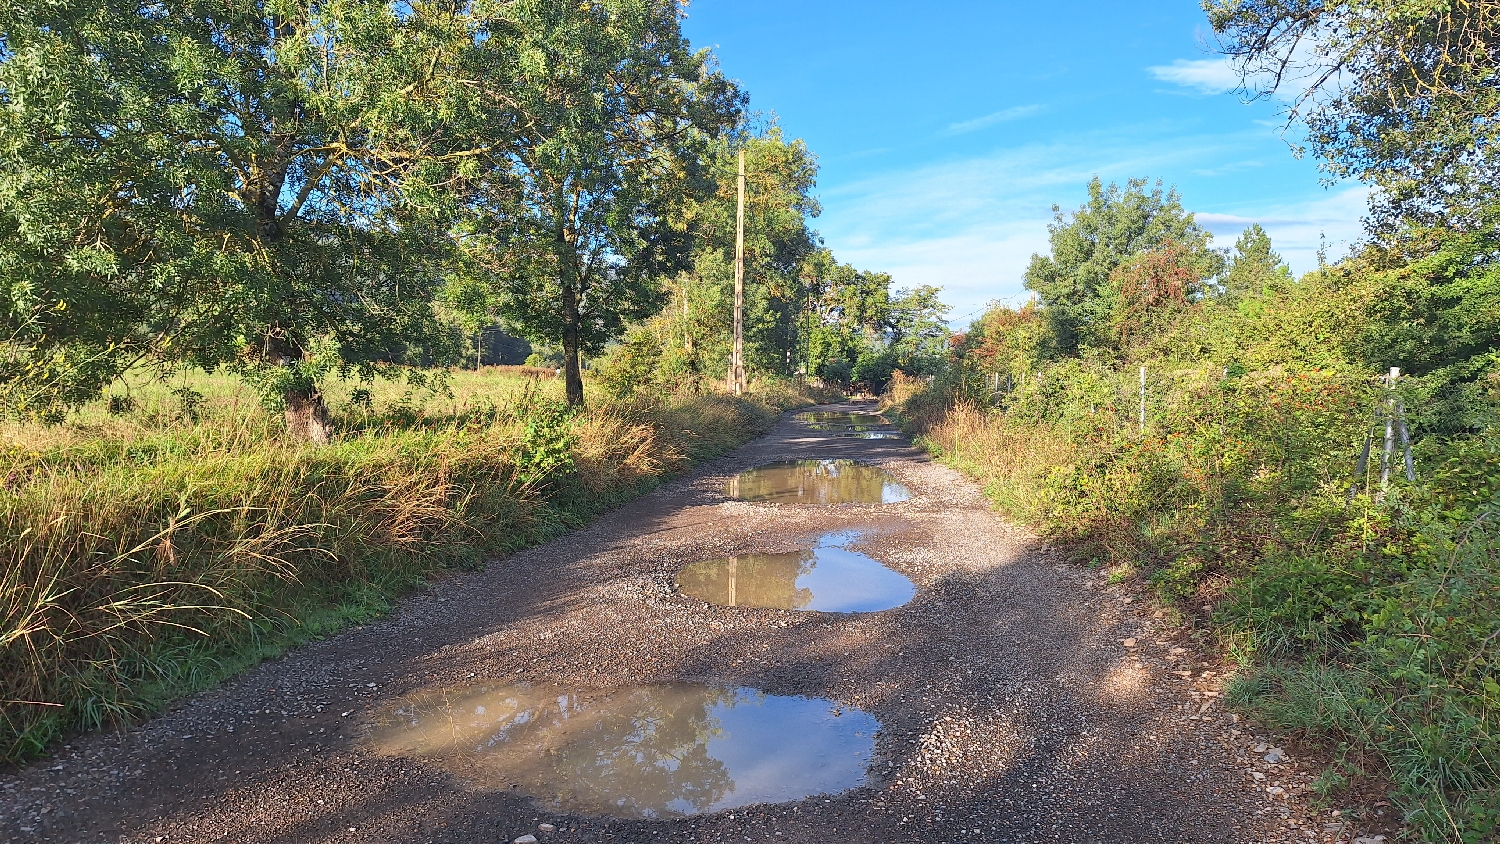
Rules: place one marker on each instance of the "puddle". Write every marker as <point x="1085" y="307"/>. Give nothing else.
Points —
<point x="830" y="420"/>
<point x="651" y="751"/>
<point x="818" y="482"/>
<point x="829" y="578"/>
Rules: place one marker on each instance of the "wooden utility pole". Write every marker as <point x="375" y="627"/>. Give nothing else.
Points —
<point x="737" y="354"/>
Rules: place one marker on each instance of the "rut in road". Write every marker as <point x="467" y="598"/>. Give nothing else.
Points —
<point x="1019" y="699"/>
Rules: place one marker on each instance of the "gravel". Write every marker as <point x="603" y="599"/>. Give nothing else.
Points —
<point x="1021" y="699"/>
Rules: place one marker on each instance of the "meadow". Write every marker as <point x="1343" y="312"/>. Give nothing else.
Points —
<point x="170" y="533"/>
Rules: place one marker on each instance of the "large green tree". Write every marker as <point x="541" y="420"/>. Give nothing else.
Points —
<point x="244" y="182"/>
<point x="1114" y="225"/>
<point x="579" y="220"/>
<point x="1404" y="94"/>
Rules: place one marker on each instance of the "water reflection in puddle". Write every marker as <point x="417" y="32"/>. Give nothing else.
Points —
<point x="650" y="751"/>
<point x="829" y="578"/>
<point x="818" y="482"/>
<point x="831" y="420"/>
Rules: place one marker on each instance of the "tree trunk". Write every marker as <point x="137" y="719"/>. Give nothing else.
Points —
<point x="572" y="375"/>
<point x="307" y="417"/>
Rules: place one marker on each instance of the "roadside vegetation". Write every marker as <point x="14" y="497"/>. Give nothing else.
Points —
<point x="253" y="256"/>
<point x="1256" y="475"/>
<point x="151" y="552"/>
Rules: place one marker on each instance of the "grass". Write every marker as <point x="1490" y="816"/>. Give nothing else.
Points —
<point x="169" y="535"/>
<point x="1367" y="622"/>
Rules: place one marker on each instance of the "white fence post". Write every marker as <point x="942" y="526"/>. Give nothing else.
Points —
<point x="1143" y="400"/>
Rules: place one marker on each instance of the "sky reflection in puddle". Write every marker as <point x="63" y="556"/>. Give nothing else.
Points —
<point x="650" y="751"/>
<point x="829" y="420"/>
<point x="829" y="578"/>
<point x="818" y="482"/>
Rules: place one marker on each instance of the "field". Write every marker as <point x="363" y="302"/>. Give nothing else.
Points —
<point x="169" y="534"/>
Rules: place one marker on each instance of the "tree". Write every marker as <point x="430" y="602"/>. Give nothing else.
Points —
<point x="848" y="310"/>
<point x="1152" y="288"/>
<point x="1005" y="341"/>
<point x="1114" y="225"/>
<point x="578" y="222"/>
<point x="240" y="183"/>
<point x="1254" y="269"/>
<point x="918" y="328"/>
<point x="1402" y="94"/>
<point x="778" y="240"/>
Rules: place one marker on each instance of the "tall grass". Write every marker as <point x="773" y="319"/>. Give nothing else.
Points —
<point x="152" y="550"/>
<point x="1365" y="617"/>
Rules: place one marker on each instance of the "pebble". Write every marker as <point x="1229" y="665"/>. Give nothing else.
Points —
<point x="1276" y="756"/>
<point x="1370" y="839"/>
<point x="547" y="827"/>
<point x="1129" y="643"/>
<point x="526" y="839"/>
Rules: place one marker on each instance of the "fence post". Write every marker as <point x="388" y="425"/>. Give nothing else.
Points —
<point x="1143" y="400"/>
<point x="1388" y="455"/>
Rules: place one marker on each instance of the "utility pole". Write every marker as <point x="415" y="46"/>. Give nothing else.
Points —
<point x="737" y="354"/>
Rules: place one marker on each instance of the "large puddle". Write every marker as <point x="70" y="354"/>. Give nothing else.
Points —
<point x="818" y="482"/>
<point x="829" y="578"/>
<point x="650" y="751"/>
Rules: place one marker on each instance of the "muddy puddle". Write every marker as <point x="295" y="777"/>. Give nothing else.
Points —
<point x="818" y="482"/>
<point x="828" y="578"/>
<point x="651" y="751"/>
<point x="830" y="420"/>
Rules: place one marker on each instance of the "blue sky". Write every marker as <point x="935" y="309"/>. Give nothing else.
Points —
<point x="946" y="131"/>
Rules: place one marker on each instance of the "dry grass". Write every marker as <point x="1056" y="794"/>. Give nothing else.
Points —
<point x="149" y="553"/>
<point x="1012" y="460"/>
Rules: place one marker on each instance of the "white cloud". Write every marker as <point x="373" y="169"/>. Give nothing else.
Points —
<point x="970" y="226"/>
<point x="1298" y="230"/>
<point x="1206" y="76"/>
<point x="1013" y="113"/>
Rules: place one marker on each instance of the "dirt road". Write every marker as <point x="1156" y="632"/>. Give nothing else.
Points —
<point x="1020" y="699"/>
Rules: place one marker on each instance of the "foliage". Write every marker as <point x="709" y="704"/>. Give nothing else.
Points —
<point x="1400" y="94"/>
<point x="1361" y="613"/>
<point x="579" y="218"/>
<point x="221" y="185"/>
<point x="1073" y="283"/>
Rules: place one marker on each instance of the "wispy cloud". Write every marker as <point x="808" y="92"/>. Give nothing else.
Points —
<point x="1224" y="169"/>
<point x="1332" y="222"/>
<point x="1013" y="113"/>
<point x="970" y="226"/>
<point x="1206" y="76"/>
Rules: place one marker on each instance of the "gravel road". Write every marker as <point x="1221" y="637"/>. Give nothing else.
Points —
<point x="1020" y="699"/>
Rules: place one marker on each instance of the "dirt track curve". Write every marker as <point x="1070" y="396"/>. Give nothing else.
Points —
<point x="1011" y="707"/>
